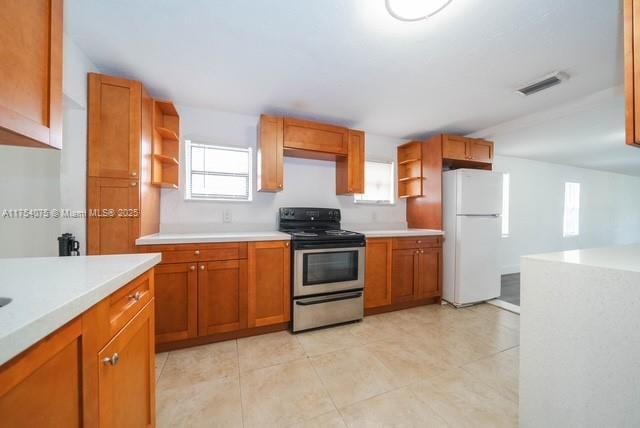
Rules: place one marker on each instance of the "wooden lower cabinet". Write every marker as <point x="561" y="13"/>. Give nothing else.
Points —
<point x="127" y="375"/>
<point x="377" y="290"/>
<point x="429" y="271"/>
<point x="269" y="294"/>
<point x="404" y="275"/>
<point x="402" y="272"/>
<point x="176" y="302"/>
<point x="86" y="374"/>
<point x="222" y="296"/>
<point x="43" y="386"/>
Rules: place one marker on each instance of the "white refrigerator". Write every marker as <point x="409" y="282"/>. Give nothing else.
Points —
<point x="472" y="205"/>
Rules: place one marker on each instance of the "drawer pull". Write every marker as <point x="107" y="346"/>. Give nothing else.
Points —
<point x="192" y="267"/>
<point x="196" y="252"/>
<point x="137" y="296"/>
<point x="112" y="361"/>
<point x="201" y="267"/>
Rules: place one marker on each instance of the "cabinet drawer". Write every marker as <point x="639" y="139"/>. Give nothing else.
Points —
<point x="416" y="242"/>
<point x="305" y="135"/>
<point x="186" y="253"/>
<point x="129" y="300"/>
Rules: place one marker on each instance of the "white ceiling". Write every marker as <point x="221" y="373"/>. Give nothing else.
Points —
<point x="588" y="133"/>
<point x="349" y="62"/>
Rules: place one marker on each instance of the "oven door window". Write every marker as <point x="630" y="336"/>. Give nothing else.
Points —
<point x="323" y="268"/>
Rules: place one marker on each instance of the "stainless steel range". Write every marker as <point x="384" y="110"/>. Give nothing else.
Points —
<point x="328" y="268"/>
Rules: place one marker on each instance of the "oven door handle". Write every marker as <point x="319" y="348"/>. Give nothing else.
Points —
<point x="330" y="299"/>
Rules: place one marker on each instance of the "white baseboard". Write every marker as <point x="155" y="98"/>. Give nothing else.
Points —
<point x="505" y="305"/>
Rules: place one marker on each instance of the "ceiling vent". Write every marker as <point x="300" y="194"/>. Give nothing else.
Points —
<point x="546" y="82"/>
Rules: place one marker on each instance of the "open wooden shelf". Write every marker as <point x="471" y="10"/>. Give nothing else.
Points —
<point x="166" y="159"/>
<point x="167" y="133"/>
<point x="408" y="178"/>
<point x="165" y="166"/>
<point x="166" y="185"/>
<point x="410" y="170"/>
<point x="406" y="161"/>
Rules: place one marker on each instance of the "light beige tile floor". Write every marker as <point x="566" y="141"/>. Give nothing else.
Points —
<point x="421" y="367"/>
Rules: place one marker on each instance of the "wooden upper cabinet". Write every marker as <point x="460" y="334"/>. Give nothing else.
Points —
<point x="43" y="386"/>
<point x="377" y="282"/>
<point x="632" y="70"/>
<point x="454" y="147"/>
<point x="467" y="149"/>
<point x="176" y="286"/>
<point x="31" y="73"/>
<point x="481" y="151"/>
<point x="114" y="134"/>
<point x="222" y="299"/>
<point x="115" y="225"/>
<point x="270" y="154"/>
<point x="316" y="137"/>
<point x="350" y="169"/>
<point x="269" y="294"/>
<point x="126" y="375"/>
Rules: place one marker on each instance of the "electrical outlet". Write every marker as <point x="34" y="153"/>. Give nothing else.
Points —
<point x="226" y="216"/>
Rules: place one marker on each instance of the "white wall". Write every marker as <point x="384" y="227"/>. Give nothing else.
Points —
<point x="47" y="178"/>
<point x="73" y="160"/>
<point x="306" y="182"/>
<point x="609" y="207"/>
<point x="29" y="179"/>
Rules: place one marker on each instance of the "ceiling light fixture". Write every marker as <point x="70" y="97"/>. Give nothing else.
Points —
<point x="415" y="10"/>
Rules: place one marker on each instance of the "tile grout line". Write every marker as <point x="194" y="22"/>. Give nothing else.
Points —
<point x="240" y="384"/>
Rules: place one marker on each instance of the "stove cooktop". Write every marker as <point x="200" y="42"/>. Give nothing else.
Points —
<point x="329" y="234"/>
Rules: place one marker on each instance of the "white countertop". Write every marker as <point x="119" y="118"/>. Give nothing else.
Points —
<point x="203" y="238"/>
<point x="48" y="292"/>
<point x="400" y="233"/>
<point x="622" y="257"/>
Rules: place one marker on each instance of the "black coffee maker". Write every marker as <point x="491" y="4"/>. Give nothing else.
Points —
<point x="67" y="245"/>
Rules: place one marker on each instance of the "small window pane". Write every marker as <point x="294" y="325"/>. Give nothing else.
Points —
<point x="215" y="172"/>
<point x="197" y="158"/>
<point x="225" y="185"/>
<point x="379" y="180"/>
<point x="505" y="205"/>
<point x="229" y="161"/>
<point x="571" y="220"/>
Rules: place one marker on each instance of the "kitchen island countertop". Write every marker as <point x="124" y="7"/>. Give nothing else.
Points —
<point x="48" y="292"/>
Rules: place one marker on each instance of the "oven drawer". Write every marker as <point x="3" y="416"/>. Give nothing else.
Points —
<point x="312" y="312"/>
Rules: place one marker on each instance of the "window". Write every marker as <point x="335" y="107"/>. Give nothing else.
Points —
<point x="218" y="173"/>
<point x="571" y="220"/>
<point x="378" y="183"/>
<point x="505" y="205"/>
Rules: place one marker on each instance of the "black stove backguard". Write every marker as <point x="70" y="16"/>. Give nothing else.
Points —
<point x="301" y="218"/>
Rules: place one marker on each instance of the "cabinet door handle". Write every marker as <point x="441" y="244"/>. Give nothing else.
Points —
<point x="134" y="174"/>
<point x="134" y="184"/>
<point x="192" y="267"/>
<point x="137" y="296"/>
<point x="201" y="267"/>
<point x="280" y="186"/>
<point x="286" y="244"/>
<point x="421" y="251"/>
<point x="418" y="242"/>
<point x="196" y="252"/>
<point x="112" y="361"/>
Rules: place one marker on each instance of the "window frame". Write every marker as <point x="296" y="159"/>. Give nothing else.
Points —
<point x="394" y="197"/>
<point x="567" y="215"/>
<point x="188" y="144"/>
